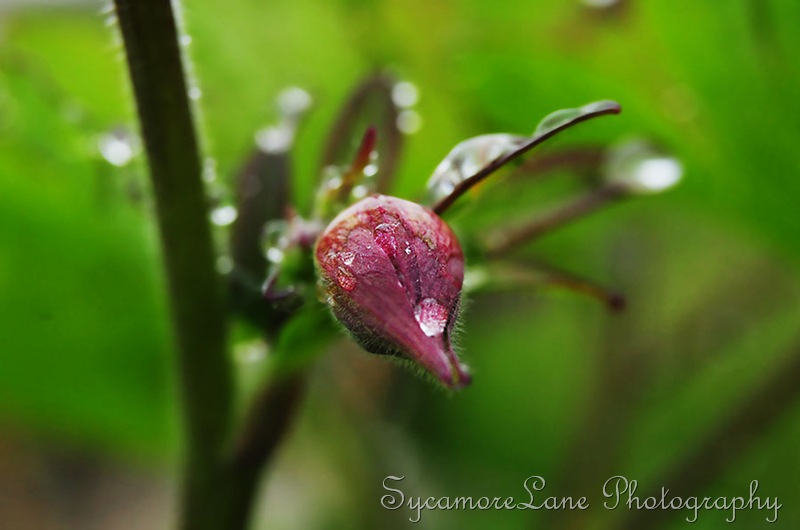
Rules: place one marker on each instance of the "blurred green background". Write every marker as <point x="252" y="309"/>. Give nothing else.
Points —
<point x="682" y="382"/>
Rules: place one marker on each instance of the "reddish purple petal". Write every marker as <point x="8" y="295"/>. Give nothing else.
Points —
<point x="393" y="272"/>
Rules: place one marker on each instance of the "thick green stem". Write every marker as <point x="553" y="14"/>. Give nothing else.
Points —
<point x="268" y="420"/>
<point x="196" y="295"/>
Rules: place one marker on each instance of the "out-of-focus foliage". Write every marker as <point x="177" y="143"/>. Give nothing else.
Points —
<point x="561" y="389"/>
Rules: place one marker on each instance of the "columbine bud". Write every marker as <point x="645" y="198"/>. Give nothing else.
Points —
<point x="392" y="271"/>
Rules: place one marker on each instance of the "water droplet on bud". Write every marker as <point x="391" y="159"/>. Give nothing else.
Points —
<point x="346" y="279"/>
<point x="431" y="316"/>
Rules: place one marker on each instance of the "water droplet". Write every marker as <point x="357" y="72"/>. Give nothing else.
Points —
<point x="195" y="93"/>
<point x="556" y="119"/>
<point x="275" y="140"/>
<point x="251" y="351"/>
<point x="370" y="170"/>
<point x="408" y="250"/>
<point x="360" y="191"/>
<point x="223" y="215"/>
<point x="642" y="169"/>
<point x="657" y="174"/>
<point x="345" y="279"/>
<point x="431" y="317"/>
<point x="185" y="40"/>
<point x="293" y="101"/>
<point x="209" y="170"/>
<point x="475" y="279"/>
<point x="600" y="4"/>
<point x="224" y="264"/>
<point x="334" y="183"/>
<point x="466" y="159"/>
<point x="386" y="239"/>
<point x="409" y="121"/>
<point x="405" y="94"/>
<point x="274" y="255"/>
<point x="275" y="238"/>
<point x="562" y="117"/>
<point x="347" y="258"/>
<point x="118" y="147"/>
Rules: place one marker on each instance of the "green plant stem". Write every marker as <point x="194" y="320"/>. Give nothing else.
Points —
<point x="196" y="297"/>
<point x="268" y="420"/>
<point x="508" y="239"/>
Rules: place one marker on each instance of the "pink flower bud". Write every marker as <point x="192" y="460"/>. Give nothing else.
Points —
<point x="392" y="271"/>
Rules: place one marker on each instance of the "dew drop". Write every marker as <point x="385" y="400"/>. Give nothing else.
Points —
<point x="405" y="94"/>
<point x="345" y="279"/>
<point x="642" y="169"/>
<point x="431" y="317"/>
<point x="224" y="264"/>
<point x="334" y="183"/>
<point x="563" y="117"/>
<point x="118" y="147"/>
<point x="370" y="170"/>
<point x="274" y="255"/>
<point x="275" y="140"/>
<point x="600" y="4"/>
<point x="332" y="177"/>
<point x="656" y="174"/>
<point x="223" y="215"/>
<point x="385" y="237"/>
<point x="195" y="93"/>
<point x="409" y="121"/>
<point x="275" y="233"/>
<point x="293" y="101"/>
<point x="252" y="351"/>
<point x="347" y="258"/>
<point x="466" y="159"/>
<point x="209" y="170"/>
<point x="556" y="119"/>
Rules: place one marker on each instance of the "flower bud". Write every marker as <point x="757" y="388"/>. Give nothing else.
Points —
<point x="392" y="271"/>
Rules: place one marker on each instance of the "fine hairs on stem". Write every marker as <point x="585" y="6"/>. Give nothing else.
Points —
<point x="215" y="492"/>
